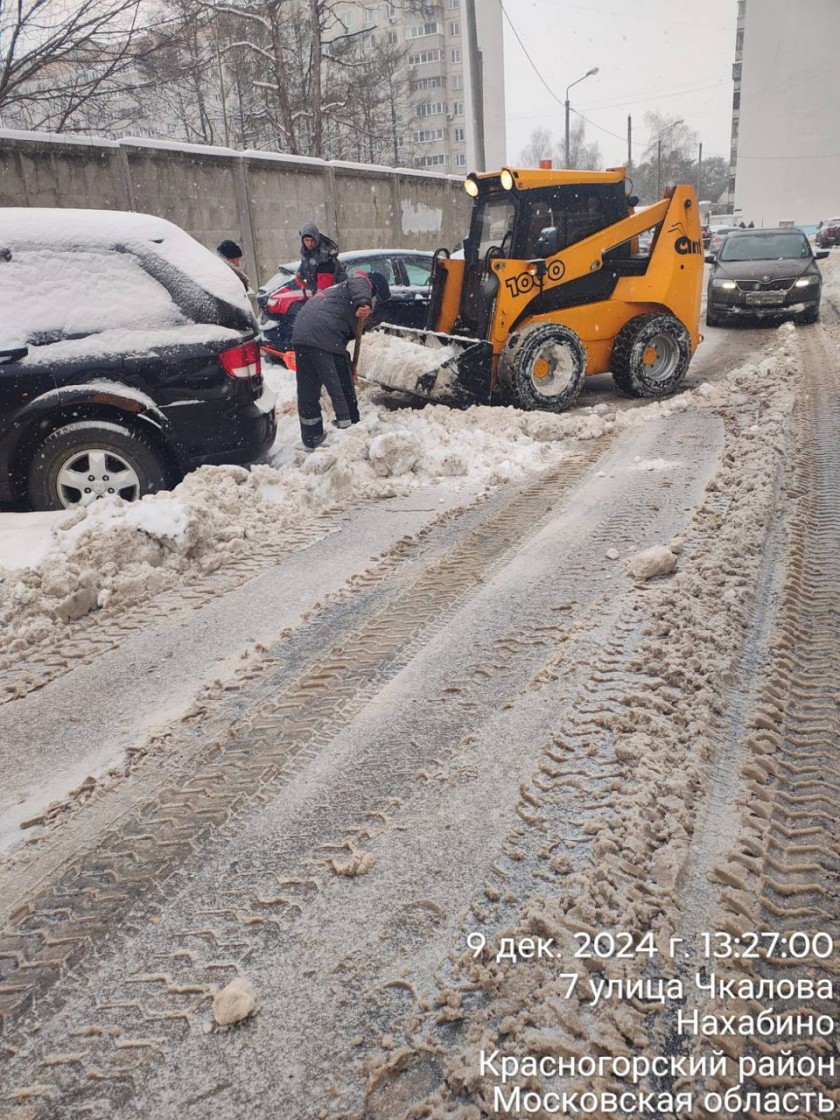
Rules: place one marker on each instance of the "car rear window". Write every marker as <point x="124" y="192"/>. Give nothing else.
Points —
<point x="48" y="294"/>
<point x="74" y="292"/>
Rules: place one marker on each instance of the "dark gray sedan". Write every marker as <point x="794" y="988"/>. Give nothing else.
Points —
<point x="764" y="272"/>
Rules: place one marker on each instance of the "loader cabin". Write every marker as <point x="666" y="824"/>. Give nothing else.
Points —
<point x="530" y="214"/>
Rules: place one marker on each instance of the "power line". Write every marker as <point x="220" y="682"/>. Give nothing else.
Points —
<point x="545" y="83"/>
<point x="660" y="96"/>
<point x="525" y="51"/>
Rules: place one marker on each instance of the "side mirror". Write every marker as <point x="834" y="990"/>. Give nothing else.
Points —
<point x="18" y="353"/>
<point x="548" y="242"/>
<point x="821" y="254"/>
<point x="710" y="258"/>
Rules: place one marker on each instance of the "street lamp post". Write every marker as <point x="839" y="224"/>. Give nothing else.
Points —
<point x="667" y="128"/>
<point x="588" y="74"/>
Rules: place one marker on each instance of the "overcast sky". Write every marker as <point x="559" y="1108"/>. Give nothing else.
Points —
<point x="671" y="56"/>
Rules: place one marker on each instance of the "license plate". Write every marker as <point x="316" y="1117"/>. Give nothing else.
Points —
<point x="765" y="299"/>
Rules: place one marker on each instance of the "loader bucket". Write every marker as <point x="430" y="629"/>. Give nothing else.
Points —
<point x="442" y="368"/>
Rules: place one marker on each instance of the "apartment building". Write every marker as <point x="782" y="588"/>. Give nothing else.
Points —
<point x="438" y="121"/>
<point x="785" y="159"/>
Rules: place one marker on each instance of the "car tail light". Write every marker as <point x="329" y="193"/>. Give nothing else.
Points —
<point x="279" y="302"/>
<point x="242" y="362"/>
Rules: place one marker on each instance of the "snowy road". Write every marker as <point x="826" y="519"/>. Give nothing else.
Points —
<point x="444" y="712"/>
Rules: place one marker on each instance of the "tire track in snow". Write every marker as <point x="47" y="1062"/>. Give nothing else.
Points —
<point x="51" y="931"/>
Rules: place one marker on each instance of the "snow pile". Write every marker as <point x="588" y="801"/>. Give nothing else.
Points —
<point x="830" y="269"/>
<point x="655" y="561"/>
<point x="114" y="554"/>
<point x="398" y="363"/>
<point x="281" y="382"/>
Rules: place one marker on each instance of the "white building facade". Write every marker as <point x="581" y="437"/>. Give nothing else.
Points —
<point x="438" y="129"/>
<point x="786" y="111"/>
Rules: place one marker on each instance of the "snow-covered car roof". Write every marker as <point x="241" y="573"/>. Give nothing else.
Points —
<point x="58" y="228"/>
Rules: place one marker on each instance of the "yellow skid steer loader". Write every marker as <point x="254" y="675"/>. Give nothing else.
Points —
<point x="552" y="287"/>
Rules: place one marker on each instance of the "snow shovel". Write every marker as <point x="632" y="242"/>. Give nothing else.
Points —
<point x="357" y="349"/>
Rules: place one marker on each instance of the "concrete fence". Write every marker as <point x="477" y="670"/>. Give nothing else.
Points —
<point x="259" y="199"/>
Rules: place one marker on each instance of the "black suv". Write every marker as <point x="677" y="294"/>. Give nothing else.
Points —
<point x="129" y="355"/>
<point x="764" y="272"/>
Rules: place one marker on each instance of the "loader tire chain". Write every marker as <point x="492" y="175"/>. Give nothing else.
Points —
<point x="100" y="632"/>
<point x="55" y="929"/>
<point x="784" y="871"/>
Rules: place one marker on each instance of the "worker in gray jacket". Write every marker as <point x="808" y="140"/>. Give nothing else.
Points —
<point x="323" y="328"/>
<point x="319" y="264"/>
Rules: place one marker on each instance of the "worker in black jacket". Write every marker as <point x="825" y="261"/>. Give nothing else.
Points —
<point x="323" y="328"/>
<point x="319" y="264"/>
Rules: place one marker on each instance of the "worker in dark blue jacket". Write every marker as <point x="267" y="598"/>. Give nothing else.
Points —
<point x="323" y="328"/>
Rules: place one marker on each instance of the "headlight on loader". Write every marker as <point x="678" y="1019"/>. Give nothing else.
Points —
<point x="471" y="187"/>
<point x="506" y="179"/>
<point x="727" y="284"/>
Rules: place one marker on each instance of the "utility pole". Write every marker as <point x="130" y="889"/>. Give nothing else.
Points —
<point x="700" y="171"/>
<point x="588" y="74"/>
<point x="315" y="63"/>
<point x="476" y="85"/>
<point x="629" y="143"/>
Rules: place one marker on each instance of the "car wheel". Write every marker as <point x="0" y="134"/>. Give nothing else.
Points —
<point x="809" y="315"/>
<point x="543" y="367"/>
<point x="84" y="461"/>
<point x="651" y="355"/>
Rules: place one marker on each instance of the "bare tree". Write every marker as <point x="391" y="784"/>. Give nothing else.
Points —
<point x="289" y="75"/>
<point x="365" y="75"/>
<point x="543" y="145"/>
<point x="175" y="88"/>
<point x="57" y="59"/>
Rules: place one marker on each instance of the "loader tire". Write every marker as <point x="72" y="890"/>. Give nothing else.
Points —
<point x="542" y="367"/>
<point x="651" y="355"/>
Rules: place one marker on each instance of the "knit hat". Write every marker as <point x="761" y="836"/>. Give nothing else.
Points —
<point x="380" y="286"/>
<point x="229" y="250"/>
